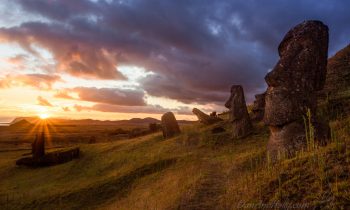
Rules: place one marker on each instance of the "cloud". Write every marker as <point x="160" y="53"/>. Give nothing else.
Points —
<point x="40" y="81"/>
<point x="18" y="60"/>
<point x="113" y="96"/>
<point x="148" y="109"/>
<point x="63" y="94"/>
<point x="72" y="53"/>
<point x="43" y="102"/>
<point x="66" y="109"/>
<point x="196" y="49"/>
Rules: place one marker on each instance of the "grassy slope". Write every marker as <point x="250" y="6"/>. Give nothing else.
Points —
<point x="194" y="170"/>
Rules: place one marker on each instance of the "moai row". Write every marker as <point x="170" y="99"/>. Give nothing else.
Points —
<point x="170" y="127"/>
<point x="239" y="116"/>
<point x="292" y="84"/>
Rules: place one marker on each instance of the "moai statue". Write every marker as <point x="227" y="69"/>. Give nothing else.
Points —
<point x="38" y="146"/>
<point x="258" y="108"/>
<point x="239" y="116"/>
<point x="204" y="118"/>
<point x="170" y="127"/>
<point x="292" y="84"/>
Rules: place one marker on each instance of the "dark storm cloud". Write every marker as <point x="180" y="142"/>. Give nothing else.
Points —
<point x="197" y="49"/>
<point x="149" y="109"/>
<point x="111" y="96"/>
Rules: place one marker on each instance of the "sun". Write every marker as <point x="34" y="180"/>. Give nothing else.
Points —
<point x="44" y="116"/>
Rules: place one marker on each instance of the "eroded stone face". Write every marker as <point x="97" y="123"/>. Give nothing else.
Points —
<point x="258" y="108"/>
<point x="239" y="116"/>
<point x="293" y="83"/>
<point x="170" y="127"/>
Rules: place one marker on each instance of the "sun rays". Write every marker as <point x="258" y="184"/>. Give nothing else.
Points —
<point x="43" y="125"/>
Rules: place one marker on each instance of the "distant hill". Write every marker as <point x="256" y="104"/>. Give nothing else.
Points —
<point x="21" y="123"/>
<point x="336" y="93"/>
<point x="133" y="121"/>
<point x="338" y="72"/>
<point x="31" y="120"/>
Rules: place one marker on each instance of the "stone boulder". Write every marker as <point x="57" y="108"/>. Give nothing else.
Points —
<point x="204" y="118"/>
<point x="170" y="127"/>
<point x="258" y="108"/>
<point x="50" y="158"/>
<point x="293" y="84"/>
<point x="239" y="116"/>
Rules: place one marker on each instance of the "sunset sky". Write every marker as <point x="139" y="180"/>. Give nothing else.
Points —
<point x="111" y="60"/>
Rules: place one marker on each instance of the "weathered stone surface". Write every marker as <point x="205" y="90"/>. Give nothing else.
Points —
<point x="239" y="116"/>
<point x="38" y="146"/>
<point x="258" y="108"/>
<point x="204" y="118"/>
<point x="170" y="127"/>
<point x="51" y="158"/>
<point x="293" y="83"/>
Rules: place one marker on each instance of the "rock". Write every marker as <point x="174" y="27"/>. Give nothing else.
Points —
<point x="258" y="108"/>
<point x="239" y="116"/>
<point x="170" y="126"/>
<point x="51" y="158"/>
<point x="38" y="146"/>
<point x="204" y="118"/>
<point x="293" y="84"/>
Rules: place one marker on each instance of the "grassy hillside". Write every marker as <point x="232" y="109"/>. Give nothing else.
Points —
<point x="195" y="170"/>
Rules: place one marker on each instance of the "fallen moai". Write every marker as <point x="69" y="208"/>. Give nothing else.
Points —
<point x="204" y="118"/>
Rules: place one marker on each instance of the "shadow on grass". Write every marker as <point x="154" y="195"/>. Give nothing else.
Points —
<point x="99" y="193"/>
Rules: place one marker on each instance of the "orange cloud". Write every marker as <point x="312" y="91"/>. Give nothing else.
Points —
<point x="43" y="102"/>
<point x="40" y="81"/>
<point x="63" y="94"/>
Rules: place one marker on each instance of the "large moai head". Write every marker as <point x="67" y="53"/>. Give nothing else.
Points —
<point x="293" y="83"/>
<point x="170" y="126"/>
<point x="239" y="116"/>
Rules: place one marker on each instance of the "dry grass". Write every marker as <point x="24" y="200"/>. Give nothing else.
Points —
<point x="194" y="170"/>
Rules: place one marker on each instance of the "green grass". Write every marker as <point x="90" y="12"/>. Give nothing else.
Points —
<point x="194" y="169"/>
